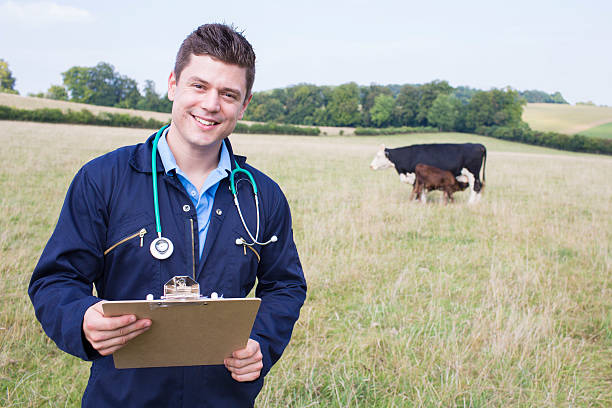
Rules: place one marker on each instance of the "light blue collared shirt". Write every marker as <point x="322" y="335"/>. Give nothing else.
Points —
<point x="203" y="202"/>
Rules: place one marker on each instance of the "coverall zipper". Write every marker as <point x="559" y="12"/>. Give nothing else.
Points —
<point x="192" y="249"/>
<point x="140" y="234"/>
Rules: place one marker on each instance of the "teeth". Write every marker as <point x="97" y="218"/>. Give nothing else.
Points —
<point x="204" y="122"/>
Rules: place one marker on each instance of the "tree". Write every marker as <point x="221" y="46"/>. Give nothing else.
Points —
<point x="151" y="101"/>
<point x="464" y="93"/>
<point x="429" y="92"/>
<point x="343" y="106"/>
<point x="265" y="107"/>
<point x="7" y="81"/>
<point x="535" y="96"/>
<point x="382" y="111"/>
<point x="368" y="96"/>
<point x="57" y="92"/>
<point x="494" y="108"/>
<point x="444" y="112"/>
<point x="302" y="102"/>
<point x="101" y="85"/>
<point x="406" y="106"/>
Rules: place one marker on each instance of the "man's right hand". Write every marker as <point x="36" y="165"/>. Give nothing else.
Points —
<point x="109" y="334"/>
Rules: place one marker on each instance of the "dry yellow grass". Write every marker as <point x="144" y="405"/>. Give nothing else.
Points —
<point x="507" y="303"/>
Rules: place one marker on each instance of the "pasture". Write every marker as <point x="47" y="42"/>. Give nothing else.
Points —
<point x="568" y="119"/>
<point x="507" y="303"/>
<point x="603" y="131"/>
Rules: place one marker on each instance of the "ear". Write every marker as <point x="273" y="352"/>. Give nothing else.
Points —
<point x="171" y="86"/>
<point x="244" y="106"/>
<point x="382" y="147"/>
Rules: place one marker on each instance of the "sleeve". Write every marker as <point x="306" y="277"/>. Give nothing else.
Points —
<point x="61" y="285"/>
<point x="281" y="286"/>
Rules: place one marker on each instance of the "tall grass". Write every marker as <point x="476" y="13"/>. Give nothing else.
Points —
<point x="507" y="303"/>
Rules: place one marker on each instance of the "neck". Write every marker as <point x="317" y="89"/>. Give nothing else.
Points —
<point x="195" y="163"/>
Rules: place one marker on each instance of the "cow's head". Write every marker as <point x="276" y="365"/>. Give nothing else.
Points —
<point x="381" y="159"/>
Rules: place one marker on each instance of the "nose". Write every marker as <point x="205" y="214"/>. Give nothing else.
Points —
<point x="210" y="101"/>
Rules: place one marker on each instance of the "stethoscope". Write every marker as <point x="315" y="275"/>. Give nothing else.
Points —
<point x="161" y="247"/>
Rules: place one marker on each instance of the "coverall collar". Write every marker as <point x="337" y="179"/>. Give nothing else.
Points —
<point x="141" y="158"/>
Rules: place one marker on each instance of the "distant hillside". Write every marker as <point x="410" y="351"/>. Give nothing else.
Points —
<point x="602" y="131"/>
<point x="28" y="102"/>
<point x="566" y="119"/>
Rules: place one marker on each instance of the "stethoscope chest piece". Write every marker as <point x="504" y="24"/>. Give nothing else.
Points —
<point x="161" y="248"/>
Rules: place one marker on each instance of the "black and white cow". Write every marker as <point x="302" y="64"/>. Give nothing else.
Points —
<point x="463" y="160"/>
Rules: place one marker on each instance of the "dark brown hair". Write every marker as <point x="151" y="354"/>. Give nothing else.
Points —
<point x="221" y="42"/>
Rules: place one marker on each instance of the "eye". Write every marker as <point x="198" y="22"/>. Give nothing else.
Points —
<point x="230" y="95"/>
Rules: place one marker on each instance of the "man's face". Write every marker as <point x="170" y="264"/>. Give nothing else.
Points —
<point x="208" y="99"/>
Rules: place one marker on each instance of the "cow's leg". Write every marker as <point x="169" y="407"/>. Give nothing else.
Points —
<point x="410" y="178"/>
<point x="423" y="196"/>
<point x="418" y="190"/>
<point x="478" y="189"/>
<point x="413" y="193"/>
<point x="446" y="196"/>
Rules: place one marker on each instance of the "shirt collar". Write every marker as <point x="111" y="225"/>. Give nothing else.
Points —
<point x="169" y="161"/>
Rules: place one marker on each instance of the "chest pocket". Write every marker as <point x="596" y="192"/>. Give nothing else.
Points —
<point x="128" y="262"/>
<point x="130" y="230"/>
<point x="245" y="262"/>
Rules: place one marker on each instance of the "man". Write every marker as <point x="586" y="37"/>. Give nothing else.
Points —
<point x="107" y="224"/>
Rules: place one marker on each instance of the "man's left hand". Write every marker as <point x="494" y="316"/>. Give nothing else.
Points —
<point x="246" y="364"/>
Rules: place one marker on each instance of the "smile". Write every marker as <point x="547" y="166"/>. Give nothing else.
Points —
<point x="204" y="122"/>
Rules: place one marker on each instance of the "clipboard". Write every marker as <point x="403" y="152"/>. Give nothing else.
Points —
<point x="185" y="331"/>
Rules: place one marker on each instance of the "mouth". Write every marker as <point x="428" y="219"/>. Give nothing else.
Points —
<point x="205" y="122"/>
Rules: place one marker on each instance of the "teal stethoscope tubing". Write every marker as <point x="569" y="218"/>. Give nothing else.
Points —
<point x="154" y="170"/>
<point x="238" y="169"/>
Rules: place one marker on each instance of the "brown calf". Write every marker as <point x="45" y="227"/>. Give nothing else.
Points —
<point x="432" y="178"/>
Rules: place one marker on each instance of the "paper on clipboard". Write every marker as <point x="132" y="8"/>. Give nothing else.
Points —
<point x="185" y="332"/>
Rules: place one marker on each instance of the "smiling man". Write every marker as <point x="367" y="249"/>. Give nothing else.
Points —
<point x="107" y="225"/>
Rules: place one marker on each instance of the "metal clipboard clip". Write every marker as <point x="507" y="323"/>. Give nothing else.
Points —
<point x="181" y="289"/>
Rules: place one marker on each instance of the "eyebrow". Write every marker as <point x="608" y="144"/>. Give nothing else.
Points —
<point x="225" y="89"/>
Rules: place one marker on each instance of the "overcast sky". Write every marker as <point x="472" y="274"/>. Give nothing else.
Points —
<point x="547" y="45"/>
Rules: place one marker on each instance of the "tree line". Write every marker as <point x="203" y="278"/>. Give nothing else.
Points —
<point x="103" y="85"/>
<point x="434" y="104"/>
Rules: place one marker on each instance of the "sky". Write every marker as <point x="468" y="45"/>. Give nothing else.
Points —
<point x="546" y="45"/>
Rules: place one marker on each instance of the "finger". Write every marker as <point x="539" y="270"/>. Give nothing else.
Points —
<point x="246" y="377"/>
<point x="243" y="362"/>
<point x="109" y="346"/>
<point x="103" y="323"/>
<point x="97" y="321"/>
<point x="251" y="349"/>
<point x="105" y="339"/>
<point x="250" y="368"/>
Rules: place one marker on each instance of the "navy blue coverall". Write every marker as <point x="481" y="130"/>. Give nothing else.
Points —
<point x="98" y="241"/>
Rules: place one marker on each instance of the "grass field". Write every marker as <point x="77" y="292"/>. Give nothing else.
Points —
<point x="567" y="119"/>
<point x="602" y="131"/>
<point x="507" y="303"/>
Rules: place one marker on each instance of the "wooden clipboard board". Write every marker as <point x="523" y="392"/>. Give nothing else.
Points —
<point x="185" y="332"/>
